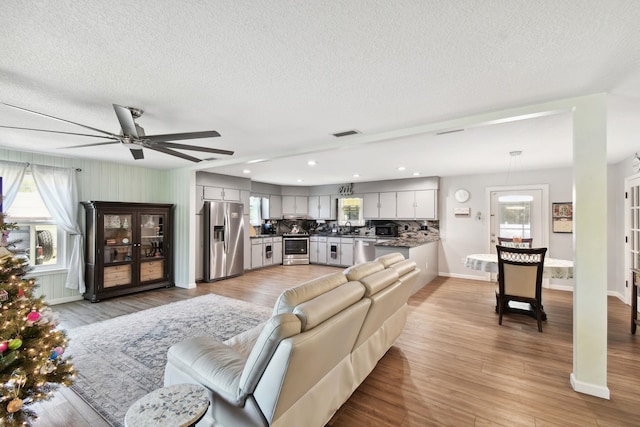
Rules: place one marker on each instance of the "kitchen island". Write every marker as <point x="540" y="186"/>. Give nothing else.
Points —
<point x="422" y="250"/>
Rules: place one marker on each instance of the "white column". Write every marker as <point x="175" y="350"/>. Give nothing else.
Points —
<point x="183" y="189"/>
<point x="589" y="374"/>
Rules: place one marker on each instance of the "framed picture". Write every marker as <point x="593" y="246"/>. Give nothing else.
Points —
<point x="562" y="217"/>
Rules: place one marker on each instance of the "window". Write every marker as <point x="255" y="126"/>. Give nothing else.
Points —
<point x="350" y="211"/>
<point x="255" y="210"/>
<point x="515" y="216"/>
<point x="38" y="238"/>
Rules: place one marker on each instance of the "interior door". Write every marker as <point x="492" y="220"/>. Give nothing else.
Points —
<point x="518" y="212"/>
<point x="632" y="227"/>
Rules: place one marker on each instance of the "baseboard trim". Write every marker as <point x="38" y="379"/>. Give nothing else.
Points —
<point x="463" y="276"/>
<point x="590" y="389"/>
<point x="185" y="285"/>
<point x="64" y="300"/>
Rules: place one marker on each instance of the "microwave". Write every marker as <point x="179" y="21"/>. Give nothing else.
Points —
<point x="387" y="230"/>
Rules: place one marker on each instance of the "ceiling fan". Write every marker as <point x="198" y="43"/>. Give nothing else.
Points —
<point x="133" y="136"/>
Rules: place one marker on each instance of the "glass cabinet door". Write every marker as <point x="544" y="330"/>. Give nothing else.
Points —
<point x="152" y="247"/>
<point x="152" y="236"/>
<point x="118" y="246"/>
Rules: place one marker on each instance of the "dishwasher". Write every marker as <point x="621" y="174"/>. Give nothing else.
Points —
<point x="364" y="249"/>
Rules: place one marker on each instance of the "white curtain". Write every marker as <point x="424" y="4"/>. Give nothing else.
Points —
<point x="59" y="192"/>
<point x="12" y="174"/>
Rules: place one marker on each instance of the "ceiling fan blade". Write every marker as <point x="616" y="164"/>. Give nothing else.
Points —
<point x="58" y="118"/>
<point x="57" y="131"/>
<point x="179" y="136"/>
<point x="137" y="153"/>
<point x="126" y="120"/>
<point x="91" y="145"/>
<point x="172" y="152"/>
<point x="192" y="148"/>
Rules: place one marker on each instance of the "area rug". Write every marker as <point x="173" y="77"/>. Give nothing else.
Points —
<point x="122" y="359"/>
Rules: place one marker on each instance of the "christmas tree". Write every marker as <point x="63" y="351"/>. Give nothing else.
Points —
<point x="31" y="348"/>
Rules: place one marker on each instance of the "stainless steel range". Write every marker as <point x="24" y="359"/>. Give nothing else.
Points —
<point x="296" y="249"/>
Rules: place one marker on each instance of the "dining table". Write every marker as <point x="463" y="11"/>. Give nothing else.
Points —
<point x="554" y="268"/>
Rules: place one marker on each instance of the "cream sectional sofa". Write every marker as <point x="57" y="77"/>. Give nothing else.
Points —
<point x="324" y="337"/>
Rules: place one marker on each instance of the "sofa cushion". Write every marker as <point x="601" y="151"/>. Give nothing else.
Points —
<point x="390" y="259"/>
<point x="211" y="363"/>
<point x="291" y="297"/>
<point x="376" y="282"/>
<point x="359" y="271"/>
<point x="321" y="308"/>
<point x="404" y="267"/>
<point x="275" y="330"/>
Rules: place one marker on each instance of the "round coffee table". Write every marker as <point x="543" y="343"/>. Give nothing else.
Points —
<point x="175" y="405"/>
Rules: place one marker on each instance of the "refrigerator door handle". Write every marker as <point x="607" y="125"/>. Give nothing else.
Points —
<point x="226" y="230"/>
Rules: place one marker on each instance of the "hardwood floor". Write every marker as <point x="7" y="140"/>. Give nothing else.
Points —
<point x="452" y="366"/>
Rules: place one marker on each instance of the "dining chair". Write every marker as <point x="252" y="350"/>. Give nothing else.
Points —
<point x="515" y="243"/>
<point x="520" y="279"/>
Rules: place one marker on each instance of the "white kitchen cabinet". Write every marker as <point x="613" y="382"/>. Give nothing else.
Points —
<point x="267" y="251"/>
<point x="219" y="193"/>
<point x="295" y="205"/>
<point x="419" y="204"/>
<point x="318" y="250"/>
<point x="379" y="205"/>
<point x="277" y="250"/>
<point x="340" y="251"/>
<point x="346" y="252"/>
<point x="275" y="207"/>
<point x="256" y="253"/>
<point x="322" y="207"/>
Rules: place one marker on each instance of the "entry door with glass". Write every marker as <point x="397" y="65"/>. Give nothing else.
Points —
<point x="519" y="212"/>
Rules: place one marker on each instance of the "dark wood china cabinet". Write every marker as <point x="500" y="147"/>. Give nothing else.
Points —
<point x="128" y="248"/>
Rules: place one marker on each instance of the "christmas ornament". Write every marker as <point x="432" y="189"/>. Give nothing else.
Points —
<point x="15" y="344"/>
<point x="59" y="350"/>
<point x="4" y="295"/>
<point x="34" y="316"/>
<point x="48" y="367"/>
<point x="4" y="345"/>
<point x="14" y="406"/>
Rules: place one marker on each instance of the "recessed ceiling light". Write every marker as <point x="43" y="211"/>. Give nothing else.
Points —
<point x="401" y="168"/>
<point x="299" y="180"/>
<point x="416" y="174"/>
<point x="246" y="171"/>
<point x="356" y="175"/>
<point x="257" y="161"/>
<point x="312" y="163"/>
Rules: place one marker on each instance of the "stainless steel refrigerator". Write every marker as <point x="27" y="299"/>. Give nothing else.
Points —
<point x="223" y="240"/>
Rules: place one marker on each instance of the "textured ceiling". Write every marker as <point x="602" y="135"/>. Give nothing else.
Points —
<point x="279" y="77"/>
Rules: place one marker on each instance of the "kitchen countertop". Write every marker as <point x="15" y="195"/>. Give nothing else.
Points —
<point x="410" y="242"/>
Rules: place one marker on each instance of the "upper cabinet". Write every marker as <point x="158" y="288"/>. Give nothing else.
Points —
<point x="219" y="193"/>
<point x="322" y="207"/>
<point x="419" y="204"/>
<point x="295" y="205"/>
<point x="379" y="205"/>
<point x="275" y="207"/>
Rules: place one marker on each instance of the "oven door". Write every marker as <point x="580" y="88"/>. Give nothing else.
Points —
<point x="296" y="250"/>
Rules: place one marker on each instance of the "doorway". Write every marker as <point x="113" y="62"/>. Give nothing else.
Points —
<point x="632" y="230"/>
<point x="518" y="211"/>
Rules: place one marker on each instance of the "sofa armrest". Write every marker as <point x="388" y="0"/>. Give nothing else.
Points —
<point x="212" y="364"/>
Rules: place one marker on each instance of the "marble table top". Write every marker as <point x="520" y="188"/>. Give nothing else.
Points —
<point x="176" y="405"/>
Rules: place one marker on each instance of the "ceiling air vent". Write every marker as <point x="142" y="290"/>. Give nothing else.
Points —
<point x="346" y="133"/>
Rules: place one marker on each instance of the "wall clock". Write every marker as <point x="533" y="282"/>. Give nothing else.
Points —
<point x="461" y="195"/>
